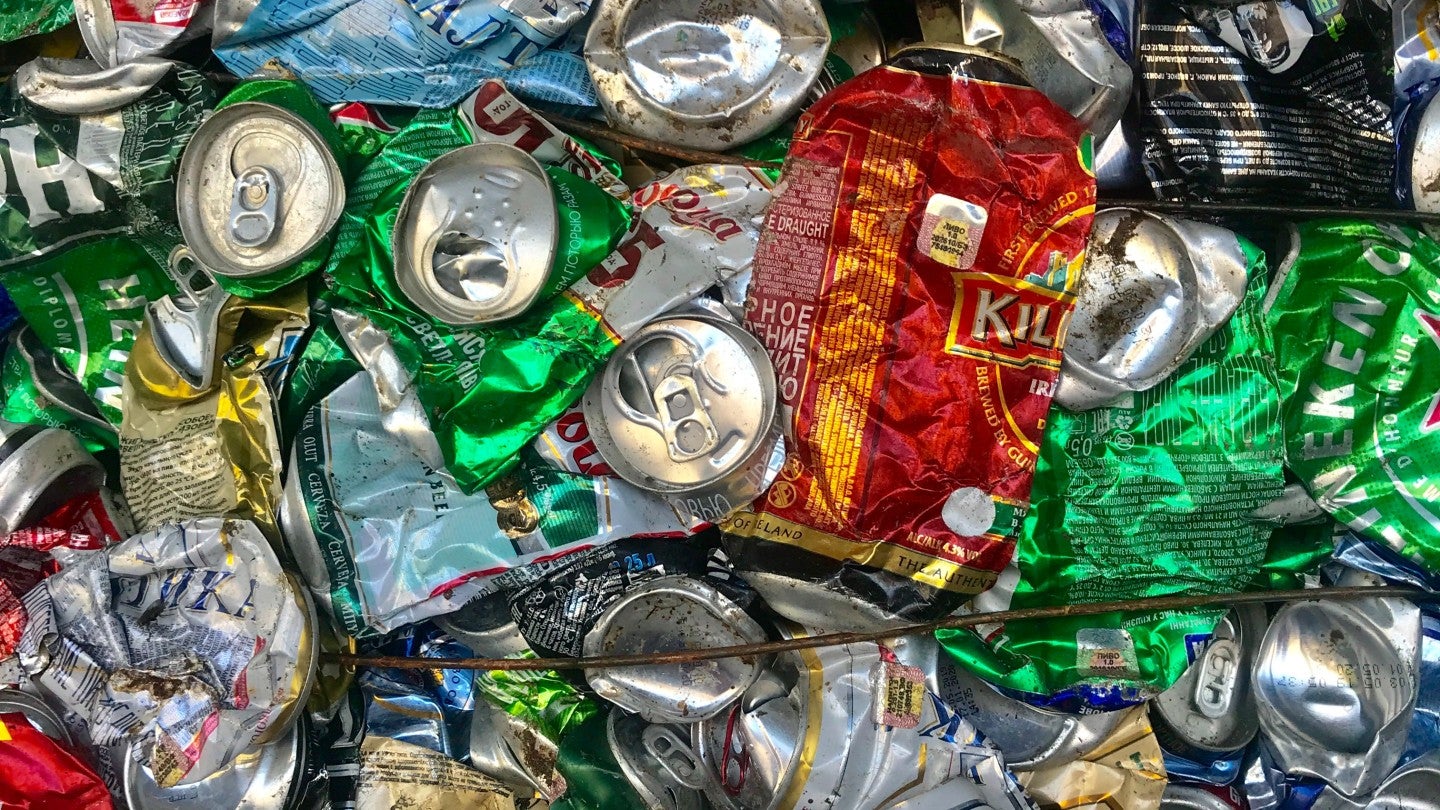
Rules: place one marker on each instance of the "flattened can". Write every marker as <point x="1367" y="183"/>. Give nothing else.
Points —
<point x="658" y="761"/>
<point x="261" y="778"/>
<point x="40" y="469"/>
<point x="260" y="188"/>
<point x="687" y="408"/>
<point x="45" y="719"/>
<point x="475" y="235"/>
<point x="708" y="74"/>
<point x="665" y="615"/>
<point x="1413" y="786"/>
<point x="1211" y="709"/>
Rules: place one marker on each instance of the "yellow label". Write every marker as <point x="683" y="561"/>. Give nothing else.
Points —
<point x="4" y="732"/>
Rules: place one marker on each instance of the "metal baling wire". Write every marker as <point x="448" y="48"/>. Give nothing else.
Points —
<point x="837" y="639"/>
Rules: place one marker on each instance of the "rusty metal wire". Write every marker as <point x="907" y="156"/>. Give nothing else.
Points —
<point x="1159" y="603"/>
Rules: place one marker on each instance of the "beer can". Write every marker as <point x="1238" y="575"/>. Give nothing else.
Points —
<point x="1335" y="684"/>
<point x="687" y="408"/>
<point x="708" y="75"/>
<point x="667" y="614"/>
<point x="475" y="235"/>
<point x="484" y="625"/>
<point x="1210" y="710"/>
<point x="1413" y="786"/>
<point x="45" y="719"/>
<point x="260" y="188"/>
<point x="1194" y="797"/>
<point x="261" y="778"/>
<point x="1418" y="132"/>
<point x="40" y="469"/>
<point x="658" y="761"/>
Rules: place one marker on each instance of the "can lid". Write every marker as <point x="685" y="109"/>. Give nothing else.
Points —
<point x="258" y="779"/>
<point x="1212" y="707"/>
<point x="475" y="236"/>
<point x="40" y="469"/>
<point x="257" y="189"/>
<point x="658" y="761"/>
<point x="668" y="614"/>
<point x="45" y="719"/>
<point x="1425" y="160"/>
<point x="753" y="750"/>
<point x="484" y="624"/>
<point x="682" y="403"/>
<point x="705" y="74"/>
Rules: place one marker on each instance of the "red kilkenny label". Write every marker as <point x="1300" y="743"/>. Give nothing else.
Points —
<point x="913" y="283"/>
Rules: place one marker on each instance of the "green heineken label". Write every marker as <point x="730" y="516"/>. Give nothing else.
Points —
<point x="27" y="401"/>
<point x="1355" y="314"/>
<point x="1149" y="497"/>
<point x="26" y="18"/>
<point x="543" y="699"/>
<point x="70" y="179"/>
<point x="87" y="305"/>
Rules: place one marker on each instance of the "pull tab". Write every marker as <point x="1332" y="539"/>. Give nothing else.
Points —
<point x="675" y="756"/>
<point x="1215" y="688"/>
<point x="665" y="381"/>
<point x="254" y="207"/>
<point x="185" y="324"/>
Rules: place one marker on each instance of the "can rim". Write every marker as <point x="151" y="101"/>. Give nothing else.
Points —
<point x="187" y="181"/>
<point x="12" y="699"/>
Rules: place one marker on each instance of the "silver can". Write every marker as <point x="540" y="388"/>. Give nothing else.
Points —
<point x="1191" y="797"/>
<point x="708" y="74"/>
<point x="1413" y="786"/>
<point x="1425" y="160"/>
<point x="863" y="49"/>
<point x="668" y="614"/>
<point x="258" y="188"/>
<point x="658" y="762"/>
<point x="1335" y="684"/>
<point x="476" y="235"/>
<point x="40" y="469"/>
<point x="484" y="624"/>
<point x="687" y="408"/>
<point x="1211" y="708"/>
<point x="262" y="778"/>
<point x="46" y="720"/>
<point x="81" y="87"/>
<point x="1152" y="289"/>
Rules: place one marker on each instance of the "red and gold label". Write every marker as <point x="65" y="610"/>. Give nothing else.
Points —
<point x="913" y="283"/>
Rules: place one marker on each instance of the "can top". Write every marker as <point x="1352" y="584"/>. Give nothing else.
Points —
<point x="1212" y="707"/>
<point x="258" y="188"/>
<point x="45" y="719"/>
<point x="658" y="761"/>
<point x="682" y="403"/>
<point x="667" y="614"/>
<point x="475" y="236"/>
<point x="258" y="779"/>
<point x="1425" y="160"/>
<point x="708" y="74"/>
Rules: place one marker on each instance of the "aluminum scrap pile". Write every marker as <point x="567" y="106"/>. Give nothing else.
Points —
<point x="397" y="328"/>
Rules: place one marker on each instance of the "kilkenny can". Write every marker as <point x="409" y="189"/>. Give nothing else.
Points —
<point x="260" y="187"/>
<point x="686" y="408"/>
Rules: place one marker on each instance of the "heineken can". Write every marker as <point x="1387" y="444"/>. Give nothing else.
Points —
<point x="665" y="615"/>
<point x="760" y="57"/>
<point x="658" y="762"/>
<point x="1335" y="683"/>
<point x="261" y="778"/>
<point x="1210" y="710"/>
<point x="476" y="234"/>
<point x="39" y="714"/>
<point x="260" y="187"/>
<point x="687" y="408"/>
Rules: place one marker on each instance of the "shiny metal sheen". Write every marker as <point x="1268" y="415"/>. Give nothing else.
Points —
<point x="82" y="87"/>
<point x="261" y="778"/>
<point x="484" y="624"/>
<point x="45" y="719"/>
<point x="40" y="469"/>
<point x="1212" y="706"/>
<point x="274" y="226"/>
<point x="1189" y="797"/>
<point x="476" y="235"/>
<point x="185" y="324"/>
<point x="1152" y="289"/>
<point x="1413" y="786"/>
<point x="665" y="615"/>
<point x="708" y="74"/>
<point x="687" y="401"/>
<point x="752" y="750"/>
<point x="1336" y="685"/>
<point x="658" y="762"/>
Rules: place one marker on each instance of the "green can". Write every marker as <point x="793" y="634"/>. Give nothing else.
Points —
<point x="260" y="187"/>
<point x="1355" y="314"/>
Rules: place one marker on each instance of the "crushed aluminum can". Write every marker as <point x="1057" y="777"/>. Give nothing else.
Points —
<point x="38" y="713"/>
<point x="475" y="235"/>
<point x="40" y="469"/>
<point x="388" y="780"/>
<point x="1127" y="769"/>
<point x="669" y="614"/>
<point x="1152" y="290"/>
<point x="262" y="778"/>
<point x="1211" y="710"/>
<point x="1194" y="797"/>
<point x="38" y="772"/>
<point x="658" y="761"/>
<point x="707" y="74"/>
<point x="258" y="189"/>
<point x="120" y="31"/>
<point x="1413" y="786"/>
<point x="1335" y="684"/>
<point x="185" y="325"/>
<point x="1059" y="43"/>
<point x="1029" y="736"/>
<point x="686" y="407"/>
<point x="484" y="625"/>
<point x="1417" y="131"/>
<point x="49" y="393"/>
